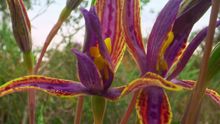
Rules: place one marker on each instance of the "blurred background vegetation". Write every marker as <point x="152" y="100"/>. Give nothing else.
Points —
<point x="61" y="63"/>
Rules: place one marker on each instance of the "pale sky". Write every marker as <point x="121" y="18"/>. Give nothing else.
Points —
<point x="43" y="23"/>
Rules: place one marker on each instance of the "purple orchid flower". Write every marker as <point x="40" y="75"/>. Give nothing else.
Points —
<point x="102" y="52"/>
<point x="166" y="54"/>
<point x="103" y="49"/>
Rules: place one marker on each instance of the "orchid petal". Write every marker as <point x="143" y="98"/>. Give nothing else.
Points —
<point x="107" y="76"/>
<point x="88" y="72"/>
<point x="93" y="34"/>
<point x="187" y="18"/>
<point x="57" y="87"/>
<point x="131" y="24"/>
<point x="113" y="93"/>
<point x="110" y="13"/>
<point x="161" y="28"/>
<point x="189" y="51"/>
<point x="147" y="115"/>
<point x="158" y="107"/>
<point x="189" y="85"/>
<point x="148" y="80"/>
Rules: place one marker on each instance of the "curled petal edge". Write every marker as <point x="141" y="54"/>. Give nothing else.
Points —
<point x="150" y="79"/>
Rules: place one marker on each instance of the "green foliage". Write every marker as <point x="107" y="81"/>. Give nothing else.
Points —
<point x="214" y="62"/>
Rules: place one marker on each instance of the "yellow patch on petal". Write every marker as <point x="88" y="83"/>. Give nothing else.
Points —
<point x="99" y="61"/>
<point x="94" y="52"/>
<point x="161" y="63"/>
<point x="108" y="44"/>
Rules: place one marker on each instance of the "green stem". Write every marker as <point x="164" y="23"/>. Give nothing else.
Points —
<point x="31" y="93"/>
<point x="191" y="114"/>
<point x="98" y="109"/>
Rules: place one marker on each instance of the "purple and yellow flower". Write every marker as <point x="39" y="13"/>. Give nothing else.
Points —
<point x="102" y="52"/>
<point x="104" y="46"/>
<point x="166" y="54"/>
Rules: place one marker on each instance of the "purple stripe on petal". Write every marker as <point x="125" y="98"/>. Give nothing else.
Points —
<point x="154" y="102"/>
<point x="183" y="26"/>
<point x="159" y="113"/>
<point x="110" y="13"/>
<point x="131" y="24"/>
<point x="93" y="34"/>
<point x="189" y="85"/>
<point x="88" y="72"/>
<point x="189" y="51"/>
<point x="159" y="32"/>
<point x="91" y="38"/>
<point x="108" y="18"/>
<point x="58" y="87"/>
<point x="97" y="29"/>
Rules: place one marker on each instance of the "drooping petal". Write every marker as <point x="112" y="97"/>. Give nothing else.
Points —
<point x="110" y="14"/>
<point x="148" y="80"/>
<point x="213" y="95"/>
<point x="131" y="24"/>
<point x="88" y="72"/>
<point x="57" y="87"/>
<point x="189" y="52"/>
<point x="189" y="85"/>
<point x="159" y="114"/>
<point x="182" y="28"/>
<point x="159" y="33"/>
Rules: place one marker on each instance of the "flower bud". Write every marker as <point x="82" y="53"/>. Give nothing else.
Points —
<point x="20" y="24"/>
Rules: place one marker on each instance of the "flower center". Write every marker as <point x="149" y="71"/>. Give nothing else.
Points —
<point x="99" y="61"/>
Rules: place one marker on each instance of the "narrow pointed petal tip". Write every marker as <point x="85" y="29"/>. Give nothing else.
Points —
<point x="188" y="18"/>
<point x="189" y="85"/>
<point x="189" y="50"/>
<point x="88" y="73"/>
<point x="53" y="86"/>
<point x="93" y="34"/>
<point x="146" y="115"/>
<point x="91" y="38"/>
